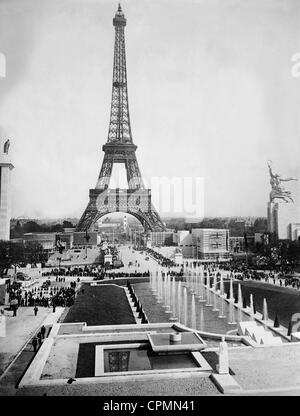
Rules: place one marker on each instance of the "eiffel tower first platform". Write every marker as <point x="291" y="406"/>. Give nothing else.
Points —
<point x="119" y="148"/>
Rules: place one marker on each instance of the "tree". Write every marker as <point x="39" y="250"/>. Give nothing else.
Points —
<point x="17" y="231"/>
<point x="35" y="253"/>
<point x="290" y="253"/>
<point x="18" y="254"/>
<point x="169" y="241"/>
<point x="67" y="224"/>
<point x="260" y="225"/>
<point x="31" y="227"/>
<point x="56" y="228"/>
<point x="11" y="254"/>
<point x="285" y="252"/>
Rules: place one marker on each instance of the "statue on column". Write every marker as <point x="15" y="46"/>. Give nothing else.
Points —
<point x="278" y="191"/>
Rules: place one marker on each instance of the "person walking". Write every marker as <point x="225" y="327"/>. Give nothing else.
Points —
<point x="43" y="331"/>
<point x="34" y="343"/>
<point x="35" y="309"/>
<point x="39" y="337"/>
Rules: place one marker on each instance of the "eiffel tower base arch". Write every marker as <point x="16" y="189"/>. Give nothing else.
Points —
<point x="136" y="202"/>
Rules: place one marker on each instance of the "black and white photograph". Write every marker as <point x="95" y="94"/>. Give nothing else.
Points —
<point x="149" y="201"/>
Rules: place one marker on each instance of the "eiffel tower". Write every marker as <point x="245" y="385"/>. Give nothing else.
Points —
<point x="119" y="148"/>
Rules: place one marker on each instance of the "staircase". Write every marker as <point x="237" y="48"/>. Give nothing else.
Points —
<point x="258" y="333"/>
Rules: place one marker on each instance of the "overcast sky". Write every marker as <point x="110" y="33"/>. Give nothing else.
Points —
<point x="211" y="95"/>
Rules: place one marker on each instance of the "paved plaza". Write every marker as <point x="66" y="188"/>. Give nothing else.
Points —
<point x="16" y="349"/>
<point x="19" y="331"/>
<point x="270" y="369"/>
<point x="76" y="257"/>
<point x="138" y="260"/>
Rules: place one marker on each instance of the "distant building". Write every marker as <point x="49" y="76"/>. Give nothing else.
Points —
<point x="79" y="239"/>
<point x="294" y="231"/>
<point x="66" y="239"/>
<point x="161" y="238"/>
<point x="136" y="234"/>
<point x="184" y="240"/>
<point x="258" y="238"/>
<point x="204" y="243"/>
<point x="211" y="243"/>
<point x="69" y="230"/>
<point x="236" y="244"/>
<point x="46" y="240"/>
<point x="179" y="236"/>
<point x="108" y="226"/>
<point x="283" y="220"/>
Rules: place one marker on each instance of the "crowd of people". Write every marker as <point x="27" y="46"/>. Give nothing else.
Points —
<point x="114" y="275"/>
<point x="53" y="295"/>
<point x="41" y="296"/>
<point x="62" y="272"/>
<point x="162" y="260"/>
<point x="282" y="277"/>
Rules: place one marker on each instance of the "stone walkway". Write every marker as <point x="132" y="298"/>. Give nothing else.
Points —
<point x="16" y="350"/>
<point x="19" y="330"/>
<point x="268" y="368"/>
<point x="13" y="375"/>
<point x="189" y="385"/>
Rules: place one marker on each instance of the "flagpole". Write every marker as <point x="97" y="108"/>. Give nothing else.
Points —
<point x="87" y="237"/>
<point x="246" y="242"/>
<point x="86" y="248"/>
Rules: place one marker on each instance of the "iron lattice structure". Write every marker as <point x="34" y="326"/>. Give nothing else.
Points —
<point x="119" y="148"/>
<point x="119" y="126"/>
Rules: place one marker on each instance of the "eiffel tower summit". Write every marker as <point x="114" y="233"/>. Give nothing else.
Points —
<point x="119" y="148"/>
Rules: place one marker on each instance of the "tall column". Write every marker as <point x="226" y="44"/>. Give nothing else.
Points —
<point x="5" y="171"/>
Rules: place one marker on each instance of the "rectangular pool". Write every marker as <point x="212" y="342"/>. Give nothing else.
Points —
<point x="143" y="359"/>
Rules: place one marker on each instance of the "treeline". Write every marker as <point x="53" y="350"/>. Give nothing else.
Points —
<point x="20" y="254"/>
<point x="284" y="253"/>
<point x="32" y="227"/>
<point x="236" y="227"/>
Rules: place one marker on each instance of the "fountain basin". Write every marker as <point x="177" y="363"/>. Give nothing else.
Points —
<point x="189" y="341"/>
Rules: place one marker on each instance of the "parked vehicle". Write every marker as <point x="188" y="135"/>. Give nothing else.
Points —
<point x="22" y="276"/>
<point x="117" y="264"/>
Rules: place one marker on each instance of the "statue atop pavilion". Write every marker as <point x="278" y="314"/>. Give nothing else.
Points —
<point x="278" y="190"/>
<point x="282" y="218"/>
